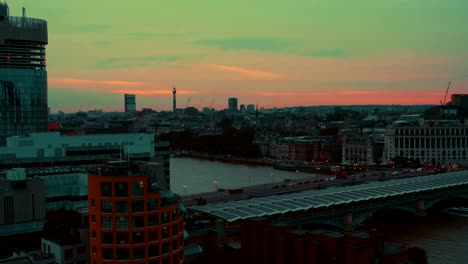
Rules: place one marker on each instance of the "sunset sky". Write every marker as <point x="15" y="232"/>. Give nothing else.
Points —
<point x="266" y="52"/>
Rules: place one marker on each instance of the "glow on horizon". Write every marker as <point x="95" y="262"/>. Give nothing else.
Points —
<point x="270" y="53"/>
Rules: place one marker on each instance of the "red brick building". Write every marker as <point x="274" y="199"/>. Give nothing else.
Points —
<point x="130" y="221"/>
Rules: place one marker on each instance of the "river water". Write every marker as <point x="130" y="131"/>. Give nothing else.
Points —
<point x="443" y="236"/>
<point x="200" y="175"/>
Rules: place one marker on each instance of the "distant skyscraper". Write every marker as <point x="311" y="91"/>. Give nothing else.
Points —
<point x="242" y="108"/>
<point x="251" y="108"/>
<point x="232" y="104"/>
<point x="23" y="75"/>
<point x="130" y="103"/>
<point x="174" y="107"/>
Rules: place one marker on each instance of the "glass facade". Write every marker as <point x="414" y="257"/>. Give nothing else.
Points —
<point x="23" y="101"/>
<point x="23" y="75"/>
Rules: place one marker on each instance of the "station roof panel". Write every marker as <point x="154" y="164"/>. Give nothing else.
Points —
<point x="305" y="200"/>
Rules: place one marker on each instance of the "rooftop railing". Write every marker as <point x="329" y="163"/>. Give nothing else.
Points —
<point x="25" y="22"/>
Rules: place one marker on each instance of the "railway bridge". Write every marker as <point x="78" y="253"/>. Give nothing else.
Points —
<point x="347" y="206"/>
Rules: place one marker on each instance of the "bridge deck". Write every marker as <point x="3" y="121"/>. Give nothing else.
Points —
<point x="312" y="199"/>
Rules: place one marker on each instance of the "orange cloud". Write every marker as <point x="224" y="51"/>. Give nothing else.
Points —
<point x="359" y="92"/>
<point x="247" y="72"/>
<point x="74" y="82"/>
<point x="154" y="92"/>
<point x="283" y="94"/>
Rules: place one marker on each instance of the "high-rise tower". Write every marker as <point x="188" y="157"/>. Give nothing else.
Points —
<point x="174" y="109"/>
<point x="130" y="103"/>
<point x="232" y="104"/>
<point x="23" y="75"/>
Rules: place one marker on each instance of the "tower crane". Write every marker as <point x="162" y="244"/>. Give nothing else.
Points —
<point x="446" y="93"/>
<point x="211" y="104"/>
<point x="188" y="101"/>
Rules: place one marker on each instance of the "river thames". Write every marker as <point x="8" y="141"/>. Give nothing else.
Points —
<point x="443" y="236"/>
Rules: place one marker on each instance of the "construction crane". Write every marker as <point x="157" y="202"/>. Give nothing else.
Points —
<point x="446" y="93"/>
<point x="188" y="101"/>
<point x="211" y="104"/>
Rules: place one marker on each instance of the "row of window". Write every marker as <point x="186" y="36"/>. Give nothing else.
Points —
<point x="400" y="142"/>
<point x="134" y="238"/>
<point x="122" y="223"/>
<point x="440" y="154"/>
<point x="123" y="207"/>
<point x="432" y="132"/>
<point x="121" y="189"/>
<point x="137" y="253"/>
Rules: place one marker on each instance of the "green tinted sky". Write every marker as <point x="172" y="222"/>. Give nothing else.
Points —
<point x="271" y="53"/>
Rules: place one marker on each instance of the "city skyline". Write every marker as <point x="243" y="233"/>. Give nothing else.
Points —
<point x="266" y="53"/>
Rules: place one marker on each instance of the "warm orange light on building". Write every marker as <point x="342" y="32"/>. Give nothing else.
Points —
<point x="129" y="223"/>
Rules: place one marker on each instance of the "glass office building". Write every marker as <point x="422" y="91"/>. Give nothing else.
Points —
<point x="23" y="75"/>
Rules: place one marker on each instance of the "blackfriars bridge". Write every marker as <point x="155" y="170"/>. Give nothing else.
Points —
<point x="347" y="206"/>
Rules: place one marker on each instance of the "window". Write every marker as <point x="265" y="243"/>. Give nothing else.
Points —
<point x="122" y="253"/>
<point x="138" y="206"/>
<point x="93" y="219"/>
<point x="107" y="238"/>
<point x="152" y="220"/>
<point x="165" y="248"/>
<point x="152" y="205"/>
<point x="93" y="249"/>
<point x="93" y="234"/>
<point x="138" y="188"/>
<point x="175" y="229"/>
<point x="121" y="207"/>
<point x="121" y="189"/>
<point x="138" y="238"/>
<point x="93" y="203"/>
<point x="107" y="253"/>
<point x="106" y="207"/>
<point x="174" y="245"/>
<point x="122" y="238"/>
<point x="153" y="251"/>
<point x="138" y="221"/>
<point x="106" y="189"/>
<point x="165" y="218"/>
<point x="165" y="232"/>
<point x="107" y="223"/>
<point x="152" y="236"/>
<point x="122" y="223"/>
<point x="138" y="253"/>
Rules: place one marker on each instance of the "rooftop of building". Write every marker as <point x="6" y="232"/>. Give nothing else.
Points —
<point x="16" y="260"/>
<point x="117" y="168"/>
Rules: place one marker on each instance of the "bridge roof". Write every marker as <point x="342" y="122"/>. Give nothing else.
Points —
<point x="309" y="199"/>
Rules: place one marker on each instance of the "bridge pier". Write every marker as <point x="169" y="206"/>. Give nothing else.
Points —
<point x="348" y="223"/>
<point x="420" y="209"/>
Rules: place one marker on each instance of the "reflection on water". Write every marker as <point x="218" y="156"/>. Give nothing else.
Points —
<point x="443" y="236"/>
<point x="199" y="175"/>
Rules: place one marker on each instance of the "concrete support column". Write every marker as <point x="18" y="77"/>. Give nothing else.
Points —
<point x="348" y="223"/>
<point x="420" y="209"/>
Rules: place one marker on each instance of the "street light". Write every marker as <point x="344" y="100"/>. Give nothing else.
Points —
<point x="216" y="184"/>
<point x="185" y="191"/>
<point x="272" y="179"/>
